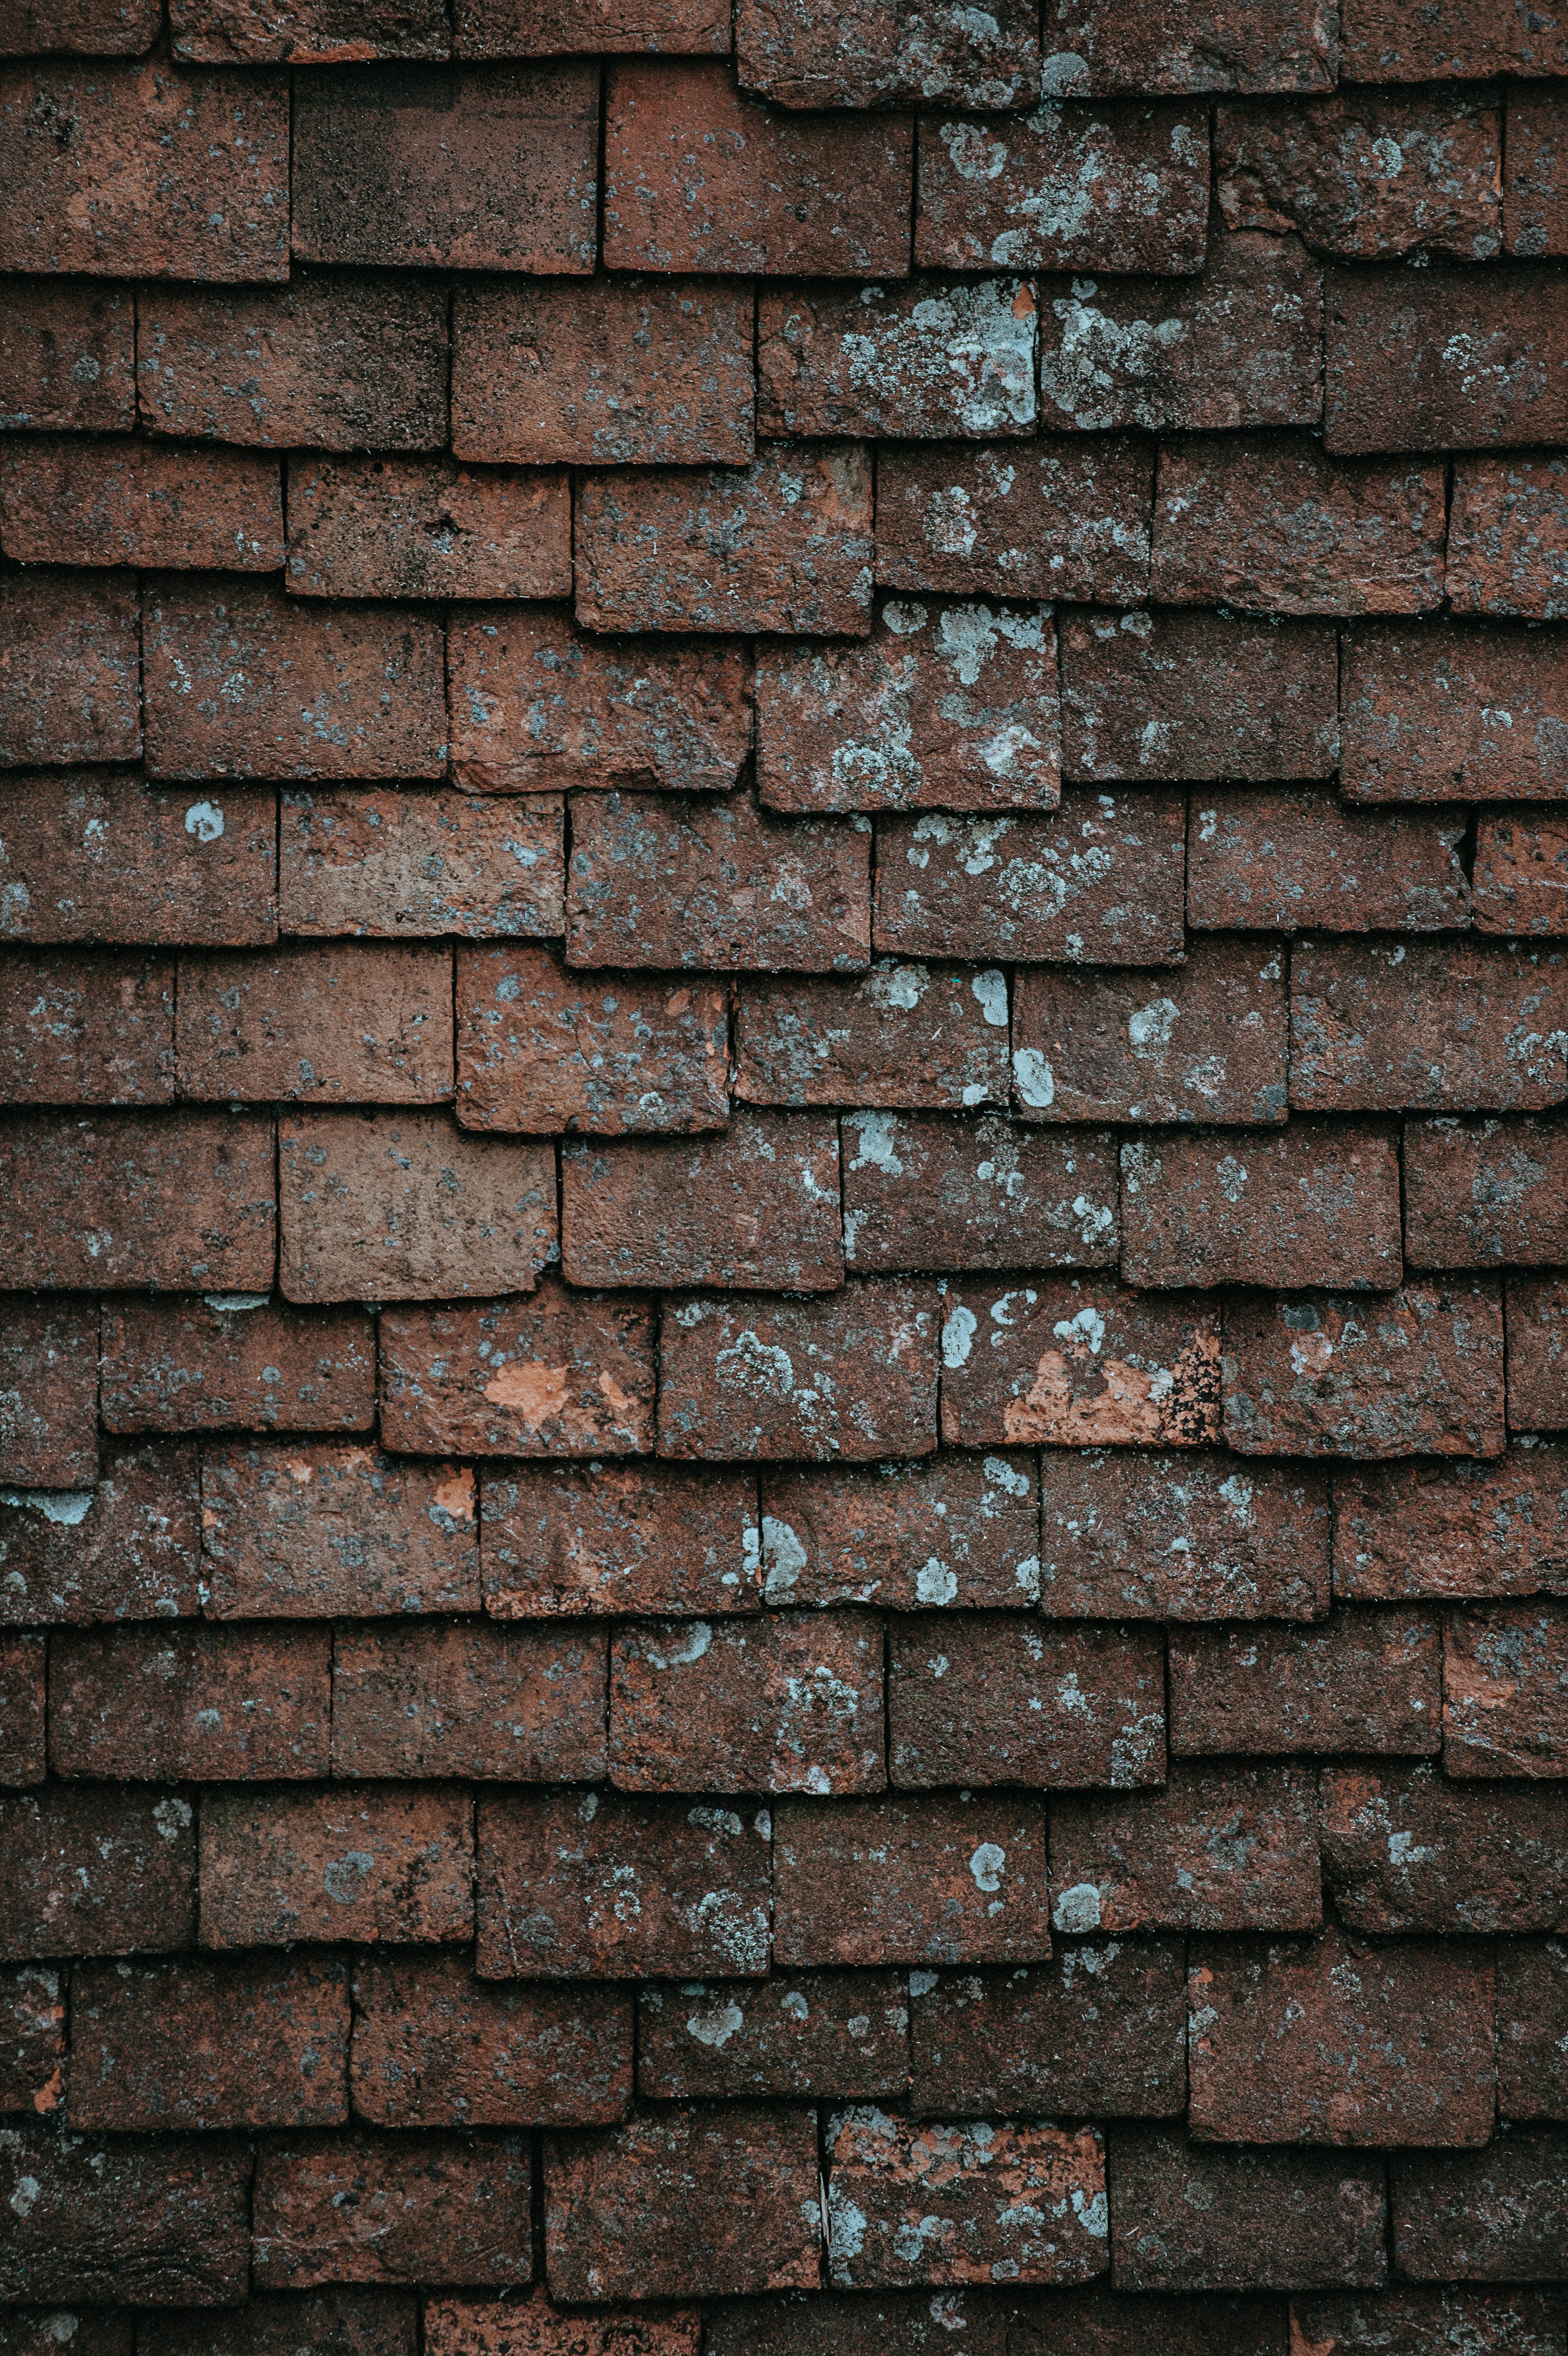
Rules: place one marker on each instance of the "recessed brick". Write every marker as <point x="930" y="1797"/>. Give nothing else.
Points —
<point x="410" y="865"/>
<point x="65" y="501"/>
<point x="858" y="2323"/>
<point x="70" y="664"/>
<point x="907" y="1035"/>
<point x="22" y="1707"/>
<point x="923" y="361"/>
<point x="1496" y="2215"/>
<point x="350" y="2322"/>
<point x="997" y="1702"/>
<point x="325" y="1025"/>
<point x="426" y="528"/>
<point x="1205" y="694"/>
<point x="95" y="1872"/>
<point x="261" y="2044"/>
<point x="1508" y="537"/>
<point x="498" y="28"/>
<point x="1538" y="1353"/>
<point x="1360" y="1680"/>
<point x="48" y="1394"/>
<point x="1418" y="1371"/>
<point x="1505" y="1691"/>
<point x="86" y="1030"/>
<point x="852" y="1377"/>
<point x="1406" y="2321"/>
<point x="543" y="1049"/>
<point x="562" y="1373"/>
<point x="755" y="1208"/>
<point x="1532" y="2029"/>
<point x="464" y="1698"/>
<point x="792" y="1702"/>
<point x="1453" y="1530"/>
<point x="1534" y="218"/>
<point x="1072" y="188"/>
<point x="1521" y="871"/>
<point x="867" y="56"/>
<point x="558" y="1540"/>
<point x="1100" y="2029"/>
<point x="1472" y="358"/>
<point x="237" y="1360"/>
<point x="68" y="359"/>
<point x="99" y="2331"/>
<point x="1054" y="518"/>
<point x="951" y="1529"/>
<point x="163" y="2222"/>
<point x="1405" y="1850"/>
<point x="381" y="2209"/>
<point x="1402" y="40"/>
<point x="1481" y="1193"/>
<point x="33" y="2014"/>
<point x="938" y="1880"/>
<point x="1365" y="176"/>
<point x="1283" y="46"/>
<point x="832" y="2034"/>
<point x="131" y="1199"/>
<point x="1079" y="1364"/>
<point x="165" y="1705"/>
<point x="1221" y="1848"/>
<point x="96" y="856"/>
<point x="1298" y="858"/>
<point x="127" y="1550"/>
<point x="1190" y="1537"/>
<point x="1424" y="715"/>
<point x="1204" y="2220"/>
<point x="924" y="1192"/>
<point x="433" y="2048"/>
<point x="305" y="32"/>
<point x="929" y="2203"/>
<point x="334" y="1531"/>
<point x="1431" y="1026"/>
<point x="394" y="1866"/>
<point x="1312" y="1203"/>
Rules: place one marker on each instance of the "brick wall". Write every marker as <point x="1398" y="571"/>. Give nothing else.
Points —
<point x="784" y="1190"/>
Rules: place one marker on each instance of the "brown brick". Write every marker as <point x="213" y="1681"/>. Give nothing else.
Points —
<point x="1467" y="356"/>
<point x="32" y="2045"/>
<point x="1405" y="40"/>
<point x="1452" y="1530"/>
<point x="1405" y="1850"/>
<point x="127" y="1550"/>
<point x="68" y="359"/>
<point x="497" y="28"/>
<point x="852" y="1377"/>
<point x="541" y="1048"/>
<point x="1532" y="2029"/>
<point x="70" y="664"/>
<point x="164" y="2223"/>
<point x="1480" y="1193"/>
<point x="921" y="1192"/>
<point x="95" y="1872"/>
<point x="328" y="1532"/>
<point x="1207" y="693"/>
<point x="286" y="690"/>
<point x="928" y="1879"/>
<point x="395" y="1865"/>
<point x="145" y="171"/>
<point x="1238" y="346"/>
<point x="1071" y="187"/>
<point x="63" y="501"/>
<point x="1194" y="1537"/>
<point x="561" y="1375"/>
<point x="1300" y="858"/>
<point x="1521" y="871"/>
<point x="382" y="2208"/>
<point x="833" y="2034"/>
<point x="464" y="1698"/>
<point x="1198" y="45"/>
<point x="854" y="2323"/>
<point x="558" y="1540"/>
<point x="426" y="528"/>
<point x="697" y="179"/>
<point x="162" y="1705"/>
<point x="395" y="1206"/>
<point x="792" y="1702"/>
<point x="1406" y="2322"/>
<point x="952" y="1529"/>
<point x="133" y="1200"/>
<point x="1505" y="1691"/>
<point x="1419" y="1371"/>
<point x="332" y="1025"/>
<point x="1054" y="518"/>
<point x="332" y="362"/>
<point x="1358" y="1681"/>
<point x="305" y="32"/>
<point x="657" y="880"/>
<point x="1451" y="713"/>
<point x="1497" y="2214"/>
<point x="1313" y="1204"/>
<point x="998" y="1701"/>
<point x="409" y="865"/>
<point x="92" y="856"/>
<point x="782" y="544"/>
<point x="247" y="2043"/>
<point x="869" y="54"/>
<point x="923" y="361"/>
<point x="1027" y="888"/>
<point x="1432" y="1027"/>
<point x="239" y="1361"/>
<point x="575" y="1886"/>
<point x="1210" y="1045"/>
<point x="1079" y="1364"/>
<point x="1203" y="2220"/>
<point x="1508" y="537"/>
<point x="328" y="2322"/>
<point x="1366" y="176"/>
<point x="1538" y="1353"/>
<point x="1099" y="2029"/>
<point x="1535" y="220"/>
<point x="612" y="372"/>
<point x="806" y="1043"/>
<point x="86" y="1030"/>
<point x="446" y="168"/>
<point x="1222" y="1847"/>
<point x="48" y="1394"/>
<point x="687" y="2204"/>
<point x="95" y="2331"/>
<point x="21" y="1665"/>
<point x="926" y="2204"/>
<point x="755" y="1207"/>
<point x="532" y="2326"/>
<point x="435" y="2048"/>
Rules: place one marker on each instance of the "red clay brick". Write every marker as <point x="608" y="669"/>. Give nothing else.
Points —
<point x="1365" y="176"/>
<point x="558" y="1541"/>
<point x="1480" y="1193"/>
<point x="261" y="2044"/>
<point x="1418" y="1371"/>
<point x="237" y="1360"/>
<point x="67" y="357"/>
<point x="951" y="1530"/>
<point x="22" y="1666"/>
<point x="921" y="360"/>
<point x="333" y="361"/>
<point x="145" y="171"/>
<point x="93" y="856"/>
<point x="332" y="2322"/>
<point x="1508" y="537"/>
<point x="999" y="1702"/>
<point x="69" y="663"/>
<point x="32" y="2044"/>
<point x="408" y="865"/>
<point x="576" y="1886"/>
<point x="1206" y="693"/>
<point x="918" y="1880"/>
<point x="127" y="1550"/>
<point x="699" y="178"/>
<point x="394" y="1206"/>
<point x="1406" y="2322"/>
<point x="616" y="372"/>
<point x="782" y="544"/>
<point x="1431" y="1027"/>
<point x="1298" y="858"/>
<point x="1100" y="2029"/>
<point x="1358" y="1681"/>
<point x="924" y="2203"/>
<point x="327" y="1532"/>
<point x="395" y="1865"/>
<point x="446" y="168"/>
<point x="426" y="528"/>
<point x="305" y="32"/>
<point x="464" y="1698"/>
<point x="1454" y="714"/>
<point x="286" y="690"/>
<point x="1538" y="1353"/>
<point x="1071" y="187"/>
<point x="1313" y="1204"/>
<point x="1057" y="889"/>
<point x="165" y="1705"/>
<point x="49" y="1393"/>
<point x="867" y="55"/>
<point x="435" y="2048"/>
<point x="1283" y="46"/>
<point x="1403" y="1850"/>
<point x="1505" y="1691"/>
<point x="1188" y="1537"/>
<point x="1054" y="518"/>
<point x="1492" y="2215"/>
<point x="329" y="1025"/>
<point x="164" y="2223"/>
<point x="86" y="1030"/>
<point x="99" y="27"/>
<point x="1079" y="1364"/>
<point x="532" y="2326"/>
<point x="561" y="1375"/>
<point x="1221" y="1848"/>
<point x="789" y="1703"/>
<point x="1211" y="1046"/>
<point x="807" y="1042"/>
<point x="93" y="1872"/>
<point x="753" y="1208"/>
<point x="801" y="2033"/>
<point x="1466" y="356"/>
<point x="921" y="1192"/>
<point x="1532" y="2029"/>
<point x="1205" y="2220"/>
<point x="497" y="28"/>
<point x="852" y="1377"/>
<point x="1452" y="1530"/>
<point x="856" y="2323"/>
<point x="408" y="2209"/>
<point x="1535" y="220"/>
<point x="63" y="501"/>
<point x="1403" y="41"/>
<point x="133" y="1200"/>
<point x="540" y="1048"/>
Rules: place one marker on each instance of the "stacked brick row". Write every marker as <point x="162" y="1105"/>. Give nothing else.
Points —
<point x="784" y="1183"/>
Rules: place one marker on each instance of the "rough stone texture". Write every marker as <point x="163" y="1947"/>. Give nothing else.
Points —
<point x="48" y="1394"/>
<point x="1422" y="715"/>
<point x="127" y="1199"/>
<point x="1403" y="1850"/>
<point x="1416" y="1371"/>
<point x="198" y="1704"/>
<point x="251" y="1032"/>
<point x="1310" y="1204"/>
<point x="1404" y="2321"/>
<point x="1285" y="45"/>
<point x="928" y="1193"/>
<point x="869" y="54"/>
<point x="914" y="1035"/>
<point x="532" y="2326"/>
<point x="1428" y="1027"/>
<point x="1532" y="2072"/>
<point x="1072" y="188"/>
<point x="857" y="2323"/>
<point x="1056" y="518"/>
<point x="395" y="1865"/>
<point x="1214" y="696"/>
<point x="607" y="1539"/>
<point x="426" y="528"/>
<point x="435" y="2048"/>
<point x="66" y="358"/>
<point x="756" y="1208"/>
<point x="1508" y="537"/>
<point x="301" y="1532"/>
<point x="1364" y="177"/>
<point x="162" y="2223"/>
<point x="541" y="1048"/>
<point x="1496" y="2215"/>
<point x="1102" y="2029"/>
<point x="69" y="665"/>
<point x="1405" y="1530"/>
<point x="304" y="32"/>
<point x="791" y="1703"/>
<point x="210" y="2044"/>
<point x="93" y="1872"/>
<point x="1205" y="2220"/>
<point x="1538" y="1353"/>
<point x="466" y="1699"/>
<point x="1190" y="1538"/>
<point x="403" y="867"/>
<point x="236" y="1360"/>
<point x="929" y="359"/>
<point x="1521" y="873"/>
<point x="920" y="1880"/>
<point x="67" y="502"/>
<point x="1302" y="860"/>
<point x="1079" y="1364"/>
<point x="127" y="1550"/>
<point x="1505" y="1691"/>
<point x="954" y="1529"/>
<point x="86" y="1030"/>
<point x="1219" y="1849"/>
<point x="851" y="1376"/>
<point x="1480" y="1193"/>
<point x="1358" y="1681"/>
<point x="1393" y="41"/>
<point x="357" y="2208"/>
<point x="1466" y="356"/>
<point x="948" y="2204"/>
<point x="997" y="1703"/>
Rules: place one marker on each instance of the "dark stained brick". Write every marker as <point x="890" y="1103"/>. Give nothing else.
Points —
<point x="1481" y="1193"/>
<point x="1207" y="695"/>
<point x="1058" y="516"/>
<point x="852" y="1376"/>
<point x="789" y="1703"/>
<point x="918" y="1880"/>
<point x="800" y="2034"/>
<point x="1300" y="858"/>
<point x="563" y="1539"/>
<point x="1505" y="1691"/>
<point x="1366" y="175"/>
<point x="1495" y="2215"/>
<point x="1221" y="1849"/>
<point x="905" y="1036"/>
<point x="1200" y="2219"/>
<point x="927" y="1191"/>
<point x="1403" y="1850"/>
<point x="993" y="1700"/>
<point x="1405" y="1530"/>
<point x="1102" y="2029"/>
<point x="435" y="2048"/>
<point x="1360" y="1680"/>
<point x="209" y="2044"/>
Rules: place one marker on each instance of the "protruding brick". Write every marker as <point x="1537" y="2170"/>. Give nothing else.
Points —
<point x="1459" y="357"/>
<point x="127" y="1550"/>
<point x="1508" y="537"/>
<point x="435" y="2048"/>
<point x="831" y="2034"/>
<point x="1189" y="1537"/>
<point x="912" y="2202"/>
<point x="1207" y="694"/>
<point x="65" y="501"/>
<point x="1424" y="715"/>
<point x="921" y="1880"/>
<point x="533" y="2327"/>
<point x="1451" y="1530"/>
<point x="32" y="2045"/>
<point x="543" y="1049"/>
<point x="466" y="1699"/>
<point x="558" y="1540"/>
<point x="329" y="1532"/>
<point x="1221" y="1848"/>
<point x="1433" y="1026"/>
<point x="954" y="1529"/>
<point x="1054" y="518"/>
<point x="246" y="2043"/>
<point x="1419" y="1372"/>
<point x="789" y="1703"/>
<point x="755" y="1208"/>
<point x="1495" y="2215"/>
<point x="165" y="1705"/>
<point x="1205" y="1042"/>
<point x="1505" y="1691"/>
<point x="395" y="1866"/>
<point x="96" y="856"/>
<point x="128" y="1199"/>
<point x="921" y="1192"/>
<point x="237" y="1361"/>
<point x="305" y="32"/>
<point x="1071" y="187"/>
<point x="164" y="2223"/>
<point x="86" y="1030"/>
<point x="1298" y="858"/>
<point x="923" y="361"/>
<point x="1204" y="2220"/>
<point x="1079" y="1364"/>
<point x="562" y="1375"/>
<point x="67" y="359"/>
<point x="1538" y="1353"/>
<point x="426" y="528"/>
<point x="1366" y="176"/>
<point x="1000" y="1703"/>
<point x="1532" y="2029"/>
<point x="70" y="669"/>
<point x="327" y="1025"/>
<point x="908" y="1035"/>
<point x="1535" y="220"/>
<point x="869" y="55"/>
<point x="1283" y="46"/>
<point x="1405" y="1850"/>
<point x="852" y="1377"/>
<point x="93" y="1872"/>
<point x="1312" y="1203"/>
<point x="1481" y="1193"/>
<point x="1100" y="2029"/>
<point x="22" y="1668"/>
<point x="48" y="1394"/>
<point x="404" y="866"/>
<point x="382" y="2208"/>
<point x="1358" y="1681"/>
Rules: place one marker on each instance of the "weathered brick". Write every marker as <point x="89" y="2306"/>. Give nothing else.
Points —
<point x="93" y="1872"/>
<point x="1360" y="1680"/>
<point x="541" y="1048"/>
<point x="921" y="1192"/>
<point x="1538" y="1353"/>
<point x="498" y="28"/>
<point x="789" y="1703"/>
<point x="332" y="360"/>
<point x="1300" y="858"/>
<point x="1532" y="2029"/>
<point x="1221" y="1848"/>
<point x="699" y="178"/>
<point x="162" y="2223"/>
<point x="242" y="681"/>
<point x="755" y="1208"/>
<point x="247" y="2043"/>
<point x="920" y="1880"/>
<point x="685" y="2204"/>
<point x="923" y="361"/>
<point x="70" y="664"/>
<point x="1500" y="2214"/>
<point x="784" y="544"/>
<point x="394" y="1206"/>
<point x="1098" y="882"/>
<point x="133" y="1200"/>
<point x="1212" y="1046"/>
<point x="1079" y="1364"/>
<point x="96" y="856"/>
<point x="854" y="2323"/>
<point x="127" y="1550"/>
<point x="951" y="1529"/>
<point x="48" y="1394"/>
<point x="1405" y="40"/>
<point x="557" y="1540"/>
<point x="1071" y="187"/>
<point x="1195" y="45"/>
<point x="1450" y="1530"/>
<point x="67" y="357"/>
<point x="86" y="1030"/>
<point x="1312" y="1203"/>
<point x="435" y="2048"/>
<point x="1405" y="1850"/>
<point x="1099" y="2029"/>
<point x="1508" y="537"/>
<point x="1194" y="1537"/>
<point x="1238" y="346"/>
<point x="1406" y="2322"/>
<point x="64" y="501"/>
<point x="1454" y="714"/>
<point x="1534" y="218"/>
<point x="1433" y="1026"/>
<point x="575" y="1886"/>
<point x="852" y="1377"/>
<point x="22" y="1666"/>
<point x="32" y="2043"/>
<point x="305" y="32"/>
<point x="1103" y="2322"/>
<point x="1365" y="176"/>
<point x="1419" y="1371"/>
<point x="1481" y="1193"/>
<point x="162" y="1705"/>
<point x="1505" y="1691"/>
<point x="329" y="1025"/>
<point x="95" y="2331"/>
<point x="561" y="1375"/>
<point x="1473" y="357"/>
<point x="1204" y="2220"/>
<point x="1054" y="518"/>
<point x="1207" y="693"/>
<point x="396" y="1866"/>
<point x="409" y="865"/>
<point x="929" y="2203"/>
<point x="908" y="1035"/>
<point x="833" y="2034"/>
<point x="405" y="2209"/>
<point x="272" y="2323"/>
<point x="464" y="1698"/>
<point x="239" y="1361"/>
<point x="447" y="168"/>
<point x="533" y="2327"/>
<point x="1001" y="1702"/>
<point x="868" y="54"/>
<point x="324" y="1531"/>
<point x="145" y="171"/>
<point x="426" y="528"/>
